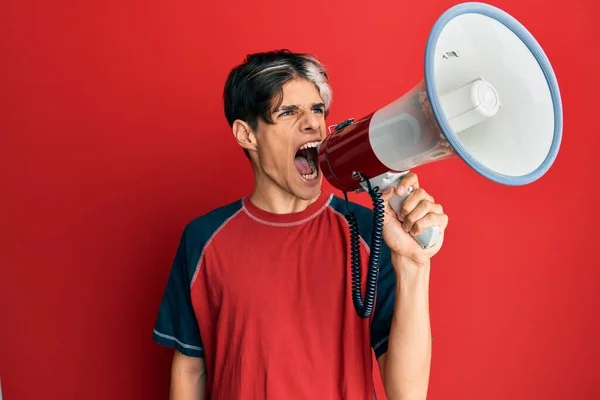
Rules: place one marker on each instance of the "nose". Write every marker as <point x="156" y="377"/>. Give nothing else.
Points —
<point x="310" y="122"/>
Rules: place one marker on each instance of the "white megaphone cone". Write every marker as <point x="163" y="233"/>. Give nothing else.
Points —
<point x="489" y="96"/>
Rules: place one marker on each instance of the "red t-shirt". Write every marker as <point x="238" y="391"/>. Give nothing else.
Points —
<point x="266" y="299"/>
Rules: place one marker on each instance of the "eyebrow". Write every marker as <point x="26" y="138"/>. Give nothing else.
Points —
<point x="294" y="107"/>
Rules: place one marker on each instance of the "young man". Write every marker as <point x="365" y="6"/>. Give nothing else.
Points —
<point x="258" y="304"/>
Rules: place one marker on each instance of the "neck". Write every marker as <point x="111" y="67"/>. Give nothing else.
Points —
<point x="270" y="197"/>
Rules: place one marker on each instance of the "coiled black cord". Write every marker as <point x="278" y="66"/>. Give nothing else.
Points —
<point x="364" y="308"/>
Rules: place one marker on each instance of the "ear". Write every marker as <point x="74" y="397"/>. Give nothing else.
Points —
<point x="244" y="135"/>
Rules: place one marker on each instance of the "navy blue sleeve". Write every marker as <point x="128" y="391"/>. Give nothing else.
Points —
<point x="176" y="325"/>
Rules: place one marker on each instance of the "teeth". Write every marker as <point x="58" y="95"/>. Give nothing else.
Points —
<point x="314" y="173"/>
<point x="309" y="145"/>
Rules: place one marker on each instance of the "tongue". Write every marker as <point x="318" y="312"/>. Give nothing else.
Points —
<point x="302" y="165"/>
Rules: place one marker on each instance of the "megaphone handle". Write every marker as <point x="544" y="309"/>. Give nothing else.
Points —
<point x="427" y="238"/>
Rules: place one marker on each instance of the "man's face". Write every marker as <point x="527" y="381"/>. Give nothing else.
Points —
<point x="287" y="152"/>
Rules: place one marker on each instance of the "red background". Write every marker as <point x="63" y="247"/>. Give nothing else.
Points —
<point x="112" y="137"/>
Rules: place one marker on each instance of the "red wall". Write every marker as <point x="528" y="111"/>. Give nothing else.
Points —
<point x="112" y="137"/>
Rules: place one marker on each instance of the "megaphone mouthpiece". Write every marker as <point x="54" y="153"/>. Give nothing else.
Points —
<point x="395" y="138"/>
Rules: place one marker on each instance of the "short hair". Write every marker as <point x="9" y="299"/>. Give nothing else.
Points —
<point x="255" y="87"/>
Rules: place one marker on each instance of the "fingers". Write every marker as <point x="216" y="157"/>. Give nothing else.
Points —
<point x="408" y="180"/>
<point x="429" y="220"/>
<point x="414" y="219"/>
<point x="412" y="201"/>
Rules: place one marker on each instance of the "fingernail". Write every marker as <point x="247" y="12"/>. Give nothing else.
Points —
<point x="400" y="190"/>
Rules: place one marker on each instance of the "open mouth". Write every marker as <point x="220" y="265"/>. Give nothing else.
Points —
<point x="306" y="160"/>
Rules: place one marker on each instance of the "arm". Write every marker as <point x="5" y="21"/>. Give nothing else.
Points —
<point x="177" y="327"/>
<point x="188" y="377"/>
<point x="406" y="364"/>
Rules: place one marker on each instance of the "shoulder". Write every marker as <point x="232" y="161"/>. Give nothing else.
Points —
<point x="198" y="232"/>
<point x="339" y="204"/>
<point x="206" y="225"/>
<point x="363" y="214"/>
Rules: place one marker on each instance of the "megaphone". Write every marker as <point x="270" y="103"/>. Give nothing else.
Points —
<point x="489" y="96"/>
